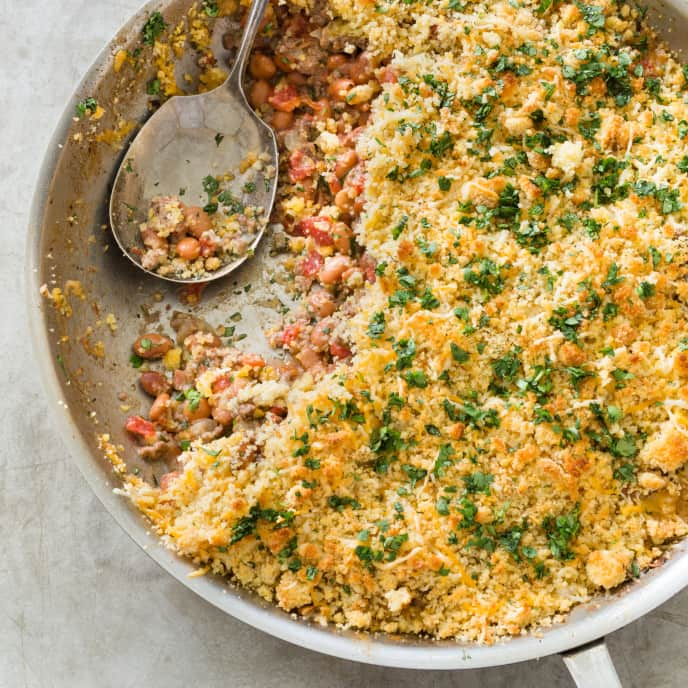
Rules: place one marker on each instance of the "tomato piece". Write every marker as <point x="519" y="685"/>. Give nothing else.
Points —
<point x="208" y="246"/>
<point x="290" y="333"/>
<point x="253" y="360"/>
<point x="339" y="350"/>
<point x="285" y="99"/>
<point x="356" y="179"/>
<point x="648" y="68"/>
<point x="311" y="264"/>
<point x="319" y="228"/>
<point x="221" y="383"/>
<point x="300" y="167"/>
<point x="280" y="411"/>
<point x="141" y="427"/>
<point x="333" y="183"/>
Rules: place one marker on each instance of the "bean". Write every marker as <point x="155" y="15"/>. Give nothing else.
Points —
<point x="336" y="61"/>
<point x="152" y="345"/>
<point x="321" y="302"/>
<point x="345" y="162"/>
<point x="262" y="66"/>
<point x="361" y="71"/>
<point x="360" y="96"/>
<point x="282" y="121"/>
<point x="339" y="89"/>
<point x="196" y="220"/>
<point x="333" y="269"/>
<point x="322" y="108"/>
<point x="321" y="333"/>
<point x="296" y="79"/>
<point x="196" y="411"/>
<point x="259" y="93"/>
<point x="308" y="358"/>
<point x="189" y="248"/>
<point x="154" y="383"/>
<point x="342" y="235"/>
<point x="343" y="201"/>
<point x="159" y="407"/>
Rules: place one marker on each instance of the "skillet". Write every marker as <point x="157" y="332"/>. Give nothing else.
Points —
<point x="68" y="239"/>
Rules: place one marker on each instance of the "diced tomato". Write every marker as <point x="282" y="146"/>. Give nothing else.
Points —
<point x="333" y="183"/>
<point x="208" y="246"/>
<point x="648" y="68"/>
<point x="280" y="411"/>
<point x="339" y="350"/>
<point x="356" y="179"/>
<point x="141" y="427"/>
<point x="319" y="228"/>
<point x="221" y="383"/>
<point x="290" y="333"/>
<point x="368" y="264"/>
<point x="253" y="360"/>
<point x="181" y="379"/>
<point x="285" y="99"/>
<point x="300" y="167"/>
<point x="311" y="264"/>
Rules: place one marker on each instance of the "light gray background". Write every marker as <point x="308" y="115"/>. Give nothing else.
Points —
<point x="80" y="604"/>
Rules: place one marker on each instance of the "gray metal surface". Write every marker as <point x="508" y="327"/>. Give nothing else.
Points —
<point x="88" y="392"/>
<point x="188" y="138"/>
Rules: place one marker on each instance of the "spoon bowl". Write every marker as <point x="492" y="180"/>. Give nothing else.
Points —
<point x="189" y="139"/>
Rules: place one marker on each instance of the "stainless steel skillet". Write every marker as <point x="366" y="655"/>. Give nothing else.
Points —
<point x="67" y="240"/>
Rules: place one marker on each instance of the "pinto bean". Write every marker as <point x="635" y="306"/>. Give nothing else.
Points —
<point x="322" y="108"/>
<point x="342" y="235"/>
<point x="153" y="383"/>
<point x="339" y="89"/>
<point x="345" y="162"/>
<point x="343" y="201"/>
<point x="196" y="220"/>
<point x="193" y="411"/>
<point x="361" y="71"/>
<point x="152" y="345"/>
<point x="262" y="66"/>
<point x="308" y="358"/>
<point x="296" y="79"/>
<point x="321" y="334"/>
<point x="189" y="248"/>
<point x="159" y="407"/>
<point x="282" y="121"/>
<point x="259" y="93"/>
<point x="333" y="269"/>
<point x="337" y="61"/>
<point x="321" y="302"/>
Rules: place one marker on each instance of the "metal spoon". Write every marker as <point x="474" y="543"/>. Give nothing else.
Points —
<point x="188" y="139"/>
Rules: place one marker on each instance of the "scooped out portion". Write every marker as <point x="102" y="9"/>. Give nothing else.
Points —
<point x="186" y="241"/>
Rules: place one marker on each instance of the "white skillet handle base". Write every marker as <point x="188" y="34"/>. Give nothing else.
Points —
<point x="591" y="666"/>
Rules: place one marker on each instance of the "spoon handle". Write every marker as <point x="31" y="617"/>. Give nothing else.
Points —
<point x="255" y="16"/>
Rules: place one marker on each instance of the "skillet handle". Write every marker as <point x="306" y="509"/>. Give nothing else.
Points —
<point x="591" y="666"/>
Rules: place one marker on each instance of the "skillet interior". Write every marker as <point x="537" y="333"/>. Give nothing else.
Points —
<point x="68" y="240"/>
